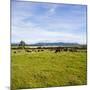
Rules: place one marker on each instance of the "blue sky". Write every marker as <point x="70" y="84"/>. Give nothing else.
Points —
<point x="45" y="22"/>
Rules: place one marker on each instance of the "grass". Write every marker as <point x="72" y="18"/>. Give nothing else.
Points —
<point x="48" y="69"/>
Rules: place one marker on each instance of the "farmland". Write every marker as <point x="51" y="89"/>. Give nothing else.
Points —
<point x="47" y="69"/>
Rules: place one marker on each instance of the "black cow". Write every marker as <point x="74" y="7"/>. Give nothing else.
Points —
<point x="42" y="50"/>
<point x="28" y="51"/>
<point x="65" y="49"/>
<point x="14" y="51"/>
<point x="38" y="50"/>
<point x="57" y="50"/>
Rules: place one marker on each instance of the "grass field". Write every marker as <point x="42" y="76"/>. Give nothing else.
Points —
<point x="48" y="69"/>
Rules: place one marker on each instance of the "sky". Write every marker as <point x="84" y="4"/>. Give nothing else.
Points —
<point x="35" y="22"/>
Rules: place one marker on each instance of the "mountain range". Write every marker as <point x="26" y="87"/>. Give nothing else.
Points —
<point x="55" y="44"/>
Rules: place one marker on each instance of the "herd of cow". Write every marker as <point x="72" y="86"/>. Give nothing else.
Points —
<point x="54" y="49"/>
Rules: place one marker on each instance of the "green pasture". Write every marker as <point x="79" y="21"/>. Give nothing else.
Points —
<point x="47" y="69"/>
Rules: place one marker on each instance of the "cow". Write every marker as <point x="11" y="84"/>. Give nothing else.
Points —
<point x="14" y="51"/>
<point x="65" y="49"/>
<point x="42" y="50"/>
<point x="28" y="51"/>
<point x="57" y="50"/>
<point x="38" y="50"/>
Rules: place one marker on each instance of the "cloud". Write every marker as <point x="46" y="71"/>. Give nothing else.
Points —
<point x="36" y="22"/>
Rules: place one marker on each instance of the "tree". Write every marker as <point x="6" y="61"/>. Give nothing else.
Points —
<point x="22" y="44"/>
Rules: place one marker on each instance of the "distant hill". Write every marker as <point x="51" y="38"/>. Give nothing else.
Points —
<point x="56" y="44"/>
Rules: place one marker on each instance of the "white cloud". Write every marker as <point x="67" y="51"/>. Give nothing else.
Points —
<point x="33" y="34"/>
